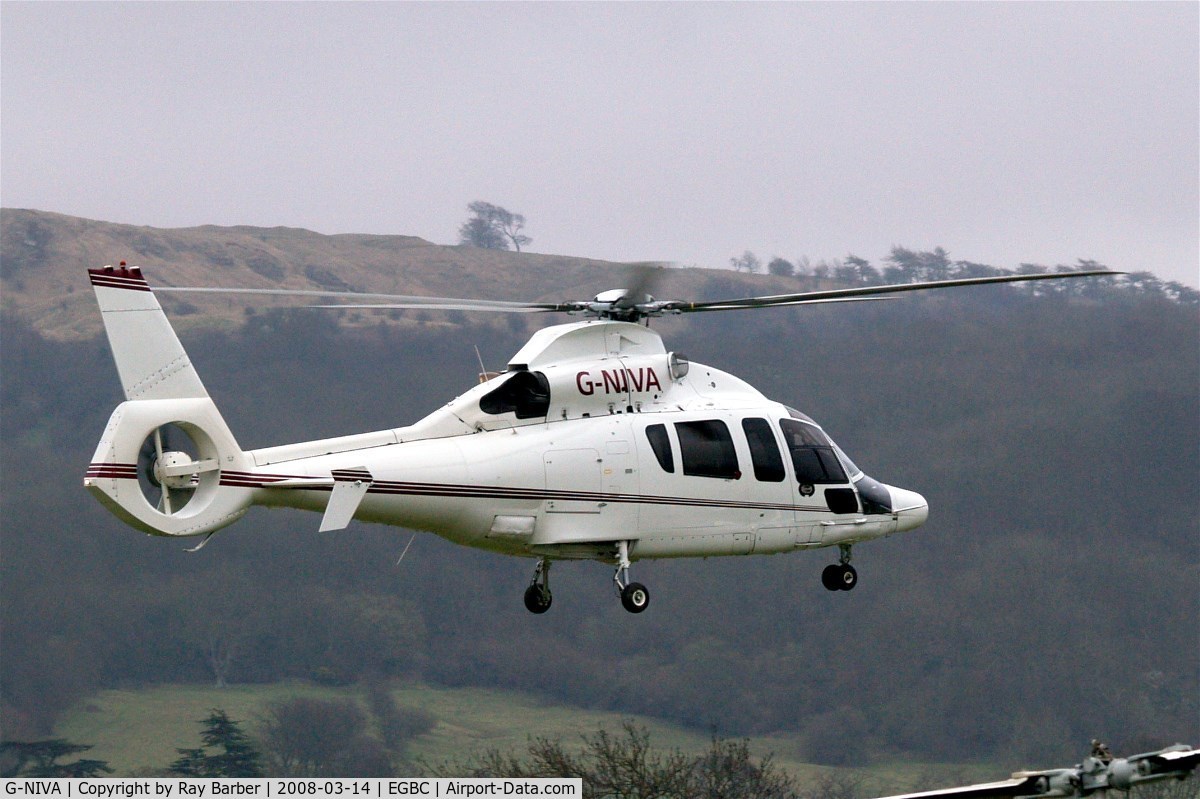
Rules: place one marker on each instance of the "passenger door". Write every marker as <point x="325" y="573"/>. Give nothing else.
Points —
<point x="693" y="490"/>
<point x="771" y="490"/>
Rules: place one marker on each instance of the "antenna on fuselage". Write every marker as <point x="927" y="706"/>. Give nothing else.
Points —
<point x="484" y="374"/>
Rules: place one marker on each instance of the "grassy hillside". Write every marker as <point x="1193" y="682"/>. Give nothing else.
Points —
<point x="138" y="731"/>
<point x="45" y="257"/>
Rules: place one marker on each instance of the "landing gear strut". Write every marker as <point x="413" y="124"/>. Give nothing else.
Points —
<point x="634" y="596"/>
<point x="840" y="576"/>
<point x="537" y="595"/>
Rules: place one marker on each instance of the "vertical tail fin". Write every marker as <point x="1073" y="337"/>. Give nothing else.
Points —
<point x="160" y="461"/>
<point x="150" y="360"/>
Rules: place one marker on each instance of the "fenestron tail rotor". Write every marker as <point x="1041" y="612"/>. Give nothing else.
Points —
<point x="169" y="468"/>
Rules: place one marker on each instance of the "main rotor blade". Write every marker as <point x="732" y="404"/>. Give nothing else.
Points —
<point x="397" y="300"/>
<point x="441" y="306"/>
<point x="633" y="302"/>
<point x="736" y="307"/>
<point x="806" y="297"/>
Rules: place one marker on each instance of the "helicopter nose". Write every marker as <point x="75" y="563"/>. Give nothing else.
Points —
<point x="910" y="508"/>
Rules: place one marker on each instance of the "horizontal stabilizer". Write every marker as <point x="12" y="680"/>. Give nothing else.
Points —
<point x="349" y="488"/>
<point x="307" y="483"/>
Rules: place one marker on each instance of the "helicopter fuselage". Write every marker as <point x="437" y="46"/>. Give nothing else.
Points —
<point x="595" y="435"/>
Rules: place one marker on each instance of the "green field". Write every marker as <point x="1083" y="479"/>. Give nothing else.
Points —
<point x="138" y="731"/>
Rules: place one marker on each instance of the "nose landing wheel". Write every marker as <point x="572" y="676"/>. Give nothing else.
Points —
<point x="840" y="576"/>
<point x="837" y="577"/>
<point x="635" y="597"/>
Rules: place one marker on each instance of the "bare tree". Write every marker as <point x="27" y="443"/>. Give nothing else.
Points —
<point x="397" y="725"/>
<point x="624" y="764"/>
<point x="493" y="228"/>
<point x="305" y="737"/>
<point x="221" y="650"/>
<point x="836" y="785"/>
<point x="746" y="262"/>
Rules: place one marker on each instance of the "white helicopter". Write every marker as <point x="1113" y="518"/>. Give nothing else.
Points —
<point x="597" y="443"/>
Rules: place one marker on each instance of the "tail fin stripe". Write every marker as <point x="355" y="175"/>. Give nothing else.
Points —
<point x="123" y="278"/>
<point x="117" y="283"/>
<point x="126" y="471"/>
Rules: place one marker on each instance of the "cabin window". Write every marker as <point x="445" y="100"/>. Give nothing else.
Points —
<point x="660" y="442"/>
<point x="526" y="394"/>
<point x="812" y="453"/>
<point x="764" y="451"/>
<point x="706" y="449"/>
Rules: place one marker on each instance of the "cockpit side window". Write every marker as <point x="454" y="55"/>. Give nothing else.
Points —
<point x="795" y="414"/>
<point x="706" y="448"/>
<point x="527" y="394"/>
<point x="764" y="451"/>
<point x="851" y="468"/>
<point x="812" y="452"/>
<point x="660" y="442"/>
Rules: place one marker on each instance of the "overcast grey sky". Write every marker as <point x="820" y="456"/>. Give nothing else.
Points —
<point x="1006" y="133"/>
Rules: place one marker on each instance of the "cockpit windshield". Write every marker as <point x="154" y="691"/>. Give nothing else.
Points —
<point x="813" y="449"/>
<point x="813" y="455"/>
<point x="850" y="468"/>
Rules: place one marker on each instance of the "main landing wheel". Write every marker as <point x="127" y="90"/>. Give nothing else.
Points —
<point x="839" y="577"/>
<point x="537" y="599"/>
<point x="635" y="597"/>
<point x="537" y="595"/>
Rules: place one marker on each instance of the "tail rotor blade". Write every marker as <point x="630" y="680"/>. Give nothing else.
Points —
<point x="164" y="502"/>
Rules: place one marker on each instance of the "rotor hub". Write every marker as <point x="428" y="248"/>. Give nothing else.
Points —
<point x="168" y="468"/>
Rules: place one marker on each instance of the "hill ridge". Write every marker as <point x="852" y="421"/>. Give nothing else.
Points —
<point x="46" y="255"/>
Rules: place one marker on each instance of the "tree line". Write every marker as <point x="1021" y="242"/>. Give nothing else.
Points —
<point x="492" y="227"/>
<point x="903" y="265"/>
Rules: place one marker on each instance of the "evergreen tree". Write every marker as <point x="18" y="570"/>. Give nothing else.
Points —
<point x="191" y="763"/>
<point x="38" y="759"/>
<point x="239" y="757"/>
